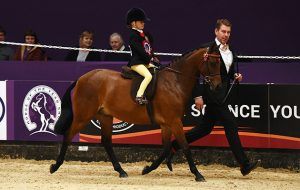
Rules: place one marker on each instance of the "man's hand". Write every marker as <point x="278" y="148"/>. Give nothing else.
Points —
<point x="238" y="77"/>
<point x="199" y="102"/>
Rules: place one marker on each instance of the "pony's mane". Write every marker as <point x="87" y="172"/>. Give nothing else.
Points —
<point x="178" y="60"/>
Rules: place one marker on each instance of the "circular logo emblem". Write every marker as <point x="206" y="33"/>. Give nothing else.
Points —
<point x="118" y="125"/>
<point x="147" y="47"/>
<point x="2" y="109"/>
<point x="41" y="109"/>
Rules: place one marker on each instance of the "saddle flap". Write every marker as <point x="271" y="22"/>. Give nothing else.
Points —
<point x="137" y="79"/>
<point x="127" y="73"/>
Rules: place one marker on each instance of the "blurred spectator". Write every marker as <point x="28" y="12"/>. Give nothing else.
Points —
<point x="6" y="52"/>
<point x="116" y="43"/>
<point x="85" y="41"/>
<point x="30" y="53"/>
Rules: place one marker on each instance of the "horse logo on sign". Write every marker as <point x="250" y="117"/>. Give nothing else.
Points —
<point x="41" y="109"/>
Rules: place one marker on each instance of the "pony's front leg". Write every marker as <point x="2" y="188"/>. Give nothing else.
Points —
<point x="166" y="136"/>
<point x="106" y="139"/>
<point x="177" y="130"/>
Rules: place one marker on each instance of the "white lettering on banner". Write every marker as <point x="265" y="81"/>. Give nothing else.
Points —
<point x="245" y="111"/>
<point x="275" y="111"/>
<point x="296" y="112"/>
<point x="255" y="111"/>
<point x="195" y="112"/>
<point x="286" y="111"/>
<point x="234" y="110"/>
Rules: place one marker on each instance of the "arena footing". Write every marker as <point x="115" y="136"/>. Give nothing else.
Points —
<point x="271" y="158"/>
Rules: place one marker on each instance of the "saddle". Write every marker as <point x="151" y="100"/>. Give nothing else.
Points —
<point x="137" y="79"/>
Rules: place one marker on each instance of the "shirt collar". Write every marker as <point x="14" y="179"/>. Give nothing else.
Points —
<point x="217" y="41"/>
<point x="140" y="31"/>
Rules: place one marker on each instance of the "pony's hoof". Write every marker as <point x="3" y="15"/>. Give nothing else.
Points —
<point x="169" y="161"/>
<point x="200" y="178"/>
<point x="53" y="168"/>
<point x="169" y="165"/>
<point x="123" y="175"/>
<point x="146" y="170"/>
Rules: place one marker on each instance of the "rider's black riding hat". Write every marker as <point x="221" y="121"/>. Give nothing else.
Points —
<point x="136" y="14"/>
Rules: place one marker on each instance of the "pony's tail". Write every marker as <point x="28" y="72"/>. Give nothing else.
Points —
<point x="65" y="120"/>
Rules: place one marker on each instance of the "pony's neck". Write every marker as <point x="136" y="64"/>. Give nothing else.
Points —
<point x="189" y="72"/>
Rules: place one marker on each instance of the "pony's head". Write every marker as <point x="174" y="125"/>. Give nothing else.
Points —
<point x="209" y="67"/>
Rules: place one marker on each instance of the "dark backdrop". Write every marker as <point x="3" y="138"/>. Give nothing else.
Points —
<point x="259" y="27"/>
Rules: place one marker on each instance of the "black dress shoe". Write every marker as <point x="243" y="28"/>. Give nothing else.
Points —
<point x="247" y="168"/>
<point x="141" y="100"/>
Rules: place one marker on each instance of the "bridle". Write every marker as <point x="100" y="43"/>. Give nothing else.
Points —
<point x="207" y="78"/>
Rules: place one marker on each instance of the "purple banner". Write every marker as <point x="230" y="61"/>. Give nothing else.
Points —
<point x="33" y="109"/>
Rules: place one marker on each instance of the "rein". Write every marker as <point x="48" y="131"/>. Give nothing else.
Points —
<point x="234" y="81"/>
<point x="206" y="78"/>
<point x="178" y="72"/>
<point x="228" y="92"/>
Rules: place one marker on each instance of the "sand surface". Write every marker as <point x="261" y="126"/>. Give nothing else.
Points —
<point x="32" y="174"/>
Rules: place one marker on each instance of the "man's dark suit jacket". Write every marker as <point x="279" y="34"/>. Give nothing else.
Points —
<point x="216" y="97"/>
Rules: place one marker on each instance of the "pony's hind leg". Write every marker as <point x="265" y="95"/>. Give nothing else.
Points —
<point x="68" y="136"/>
<point x="166" y="137"/>
<point x="61" y="156"/>
<point x="60" y="159"/>
<point x="106" y="139"/>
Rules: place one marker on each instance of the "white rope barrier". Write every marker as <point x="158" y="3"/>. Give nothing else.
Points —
<point x="79" y="49"/>
<point x="269" y="57"/>
<point x="156" y="53"/>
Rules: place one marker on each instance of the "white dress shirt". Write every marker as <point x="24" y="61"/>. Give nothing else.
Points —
<point x="82" y="56"/>
<point x="226" y="55"/>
